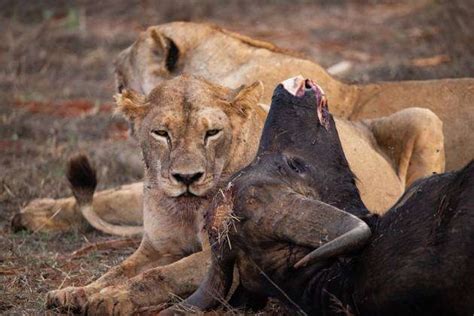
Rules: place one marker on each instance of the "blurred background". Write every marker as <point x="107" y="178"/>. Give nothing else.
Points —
<point x="56" y="87"/>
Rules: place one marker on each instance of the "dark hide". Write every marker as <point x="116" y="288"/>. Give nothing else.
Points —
<point x="421" y="258"/>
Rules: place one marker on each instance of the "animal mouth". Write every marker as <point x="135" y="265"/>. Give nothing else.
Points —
<point x="298" y="86"/>
<point x="188" y="194"/>
<point x="195" y="190"/>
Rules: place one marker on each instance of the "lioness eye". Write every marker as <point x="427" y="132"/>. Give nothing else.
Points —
<point x="212" y="132"/>
<point x="160" y="132"/>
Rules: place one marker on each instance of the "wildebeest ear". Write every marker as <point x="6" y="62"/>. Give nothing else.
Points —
<point x="131" y="104"/>
<point x="168" y="48"/>
<point x="246" y="98"/>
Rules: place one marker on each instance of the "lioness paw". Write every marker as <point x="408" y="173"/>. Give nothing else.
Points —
<point x="110" y="301"/>
<point x="70" y="298"/>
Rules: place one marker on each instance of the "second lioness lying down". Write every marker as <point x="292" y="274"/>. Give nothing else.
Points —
<point x="194" y="134"/>
<point x="231" y="59"/>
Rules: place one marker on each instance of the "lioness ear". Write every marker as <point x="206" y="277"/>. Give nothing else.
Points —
<point x="159" y="39"/>
<point x="247" y="97"/>
<point x="168" y="48"/>
<point x="131" y="104"/>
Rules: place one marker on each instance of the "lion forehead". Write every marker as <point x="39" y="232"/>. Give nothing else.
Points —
<point x="210" y="116"/>
<point x="188" y="113"/>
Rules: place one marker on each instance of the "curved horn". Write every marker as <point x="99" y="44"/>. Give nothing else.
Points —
<point x="215" y="287"/>
<point x="350" y="241"/>
<point x="316" y="224"/>
<point x="212" y="291"/>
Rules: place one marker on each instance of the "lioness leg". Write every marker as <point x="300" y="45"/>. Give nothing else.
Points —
<point x="122" y="205"/>
<point x="152" y="287"/>
<point x="414" y="139"/>
<point x="144" y="258"/>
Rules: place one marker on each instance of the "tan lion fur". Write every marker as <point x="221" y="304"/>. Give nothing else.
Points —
<point x="186" y="107"/>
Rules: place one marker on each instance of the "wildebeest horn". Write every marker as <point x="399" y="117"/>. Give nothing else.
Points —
<point x="213" y="290"/>
<point x="316" y="224"/>
<point x="352" y="240"/>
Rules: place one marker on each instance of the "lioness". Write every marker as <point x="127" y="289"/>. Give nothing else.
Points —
<point x="195" y="134"/>
<point x="230" y="59"/>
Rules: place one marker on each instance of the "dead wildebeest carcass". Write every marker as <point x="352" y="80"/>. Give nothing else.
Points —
<point x="294" y="225"/>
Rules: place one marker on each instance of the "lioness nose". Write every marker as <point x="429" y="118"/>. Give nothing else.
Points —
<point x="188" y="178"/>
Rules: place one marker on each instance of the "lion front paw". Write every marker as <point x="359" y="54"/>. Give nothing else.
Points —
<point x="110" y="301"/>
<point x="70" y="298"/>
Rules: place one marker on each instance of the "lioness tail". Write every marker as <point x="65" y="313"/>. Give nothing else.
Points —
<point x="83" y="180"/>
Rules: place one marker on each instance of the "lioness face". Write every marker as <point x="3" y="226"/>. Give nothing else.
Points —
<point x="186" y="127"/>
<point x="185" y="144"/>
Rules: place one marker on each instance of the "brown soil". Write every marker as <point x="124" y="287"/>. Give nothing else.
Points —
<point x="56" y="85"/>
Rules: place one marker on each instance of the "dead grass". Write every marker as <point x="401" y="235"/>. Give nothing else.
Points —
<point x="32" y="265"/>
<point x="56" y="90"/>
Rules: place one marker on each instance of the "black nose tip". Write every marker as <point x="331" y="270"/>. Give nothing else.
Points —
<point x="189" y="178"/>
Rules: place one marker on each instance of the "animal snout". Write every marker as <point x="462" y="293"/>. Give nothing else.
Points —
<point x="298" y="86"/>
<point x="188" y="178"/>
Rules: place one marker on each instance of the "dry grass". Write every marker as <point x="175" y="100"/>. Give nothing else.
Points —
<point x="56" y="88"/>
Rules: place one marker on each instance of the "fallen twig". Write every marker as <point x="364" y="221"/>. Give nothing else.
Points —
<point x="105" y="245"/>
<point x="11" y="271"/>
<point x="430" y="61"/>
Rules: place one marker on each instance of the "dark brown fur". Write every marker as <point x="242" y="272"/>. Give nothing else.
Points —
<point x="82" y="179"/>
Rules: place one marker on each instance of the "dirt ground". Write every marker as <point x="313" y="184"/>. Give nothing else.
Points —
<point x="56" y="87"/>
